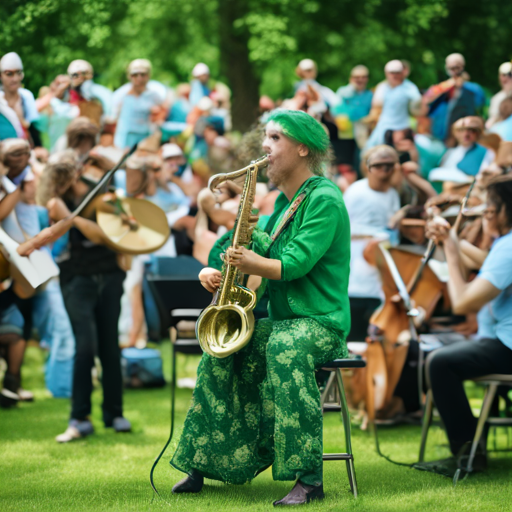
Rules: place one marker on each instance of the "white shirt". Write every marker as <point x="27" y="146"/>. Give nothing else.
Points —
<point x="370" y="212"/>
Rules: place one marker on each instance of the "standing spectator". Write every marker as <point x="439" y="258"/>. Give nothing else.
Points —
<point x="19" y="99"/>
<point x="355" y="105"/>
<point x="505" y="78"/>
<point x="398" y="98"/>
<point x="93" y="100"/>
<point x="307" y="71"/>
<point x="199" y="84"/>
<point x="452" y="99"/>
<point x="135" y="105"/>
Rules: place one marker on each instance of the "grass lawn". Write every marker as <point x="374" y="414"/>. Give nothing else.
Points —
<point x="110" y="472"/>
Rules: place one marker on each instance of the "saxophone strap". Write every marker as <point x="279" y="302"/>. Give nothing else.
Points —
<point x="288" y="216"/>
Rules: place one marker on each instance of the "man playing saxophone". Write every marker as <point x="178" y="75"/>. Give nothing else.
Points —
<point x="260" y="406"/>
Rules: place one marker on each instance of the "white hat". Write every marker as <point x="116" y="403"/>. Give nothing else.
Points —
<point x="205" y="103"/>
<point x="200" y="69"/>
<point x="171" y="150"/>
<point x="11" y="61"/>
<point x="394" y="66"/>
<point x="139" y="66"/>
<point x="505" y="68"/>
<point x="307" y="65"/>
<point x="79" y="66"/>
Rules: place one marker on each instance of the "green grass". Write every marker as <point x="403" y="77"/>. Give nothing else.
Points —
<point x="110" y="472"/>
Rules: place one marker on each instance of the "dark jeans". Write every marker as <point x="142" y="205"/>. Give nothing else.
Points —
<point x="93" y="303"/>
<point x="448" y="367"/>
<point x="361" y="309"/>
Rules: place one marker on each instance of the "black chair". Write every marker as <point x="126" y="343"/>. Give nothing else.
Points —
<point x="335" y="367"/>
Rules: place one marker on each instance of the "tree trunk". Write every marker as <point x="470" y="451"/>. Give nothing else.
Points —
<point x="235" y="64"/>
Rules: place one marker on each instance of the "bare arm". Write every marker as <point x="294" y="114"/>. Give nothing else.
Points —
<point x="465" y="297"/>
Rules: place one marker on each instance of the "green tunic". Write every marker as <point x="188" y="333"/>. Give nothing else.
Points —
<point x="261" y="406"/>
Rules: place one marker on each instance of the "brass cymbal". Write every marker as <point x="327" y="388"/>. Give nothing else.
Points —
<point x="132" y="226"/>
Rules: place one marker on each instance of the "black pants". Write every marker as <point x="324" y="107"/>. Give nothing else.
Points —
<point x="361" y="309"/>
<point x="448" y="367"/>
<point x="93" y="303"/>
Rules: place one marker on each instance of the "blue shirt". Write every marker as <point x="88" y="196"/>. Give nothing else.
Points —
<point x="503" y="129"/>
<point x="495" y="318"/>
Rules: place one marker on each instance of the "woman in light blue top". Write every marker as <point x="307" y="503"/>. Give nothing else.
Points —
<point x="491" y="294"/>
<point x="134" y="108"/>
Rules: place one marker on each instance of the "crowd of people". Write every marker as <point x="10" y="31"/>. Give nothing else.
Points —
<point x="401" y="158"/>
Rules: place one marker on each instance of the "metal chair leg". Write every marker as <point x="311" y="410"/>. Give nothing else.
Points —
<point x="484" y="414"/>
<point x="345" y="417"/>
<point x="328" y="386"/>
<point x="427" y="420"/>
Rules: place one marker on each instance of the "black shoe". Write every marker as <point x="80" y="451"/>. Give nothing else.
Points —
<point x="302" y="493"/>
<point x="9" y="395"/>
<point x="191" y="483"/>
<point x="448" y="467"/>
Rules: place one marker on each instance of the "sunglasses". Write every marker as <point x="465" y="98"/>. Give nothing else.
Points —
<point x="471" y="130"/>
<point x="79" y="74"/>
<point x="386" y="166"/>
<point x="138" y="74"/>
<point x="19" y="153"/>
<point x="10" y="74"/>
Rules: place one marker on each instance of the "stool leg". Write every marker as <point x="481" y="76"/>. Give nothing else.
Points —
<point x="346" y="427"/>
<point x="484" y="414"/>
<point x="328" y="386"/>
<point x="427" y="419"/>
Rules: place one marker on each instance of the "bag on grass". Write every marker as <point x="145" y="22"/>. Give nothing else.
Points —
<point x="142" y="368"/>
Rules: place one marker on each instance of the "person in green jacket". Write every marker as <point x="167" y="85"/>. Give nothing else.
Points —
<point x="260" y="407"/>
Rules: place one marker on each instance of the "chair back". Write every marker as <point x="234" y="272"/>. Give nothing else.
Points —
<point x="171" y="283"/>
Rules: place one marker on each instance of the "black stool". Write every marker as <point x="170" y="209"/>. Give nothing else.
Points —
<point x="335" y="367"/>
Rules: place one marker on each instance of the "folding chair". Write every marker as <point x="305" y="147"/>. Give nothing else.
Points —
<point x="491" y="383"/>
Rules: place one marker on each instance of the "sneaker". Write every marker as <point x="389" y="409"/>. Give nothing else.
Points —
<point x="76" y="430"/>
<point x="121" y="424"/>
<point x="25" y="396"/>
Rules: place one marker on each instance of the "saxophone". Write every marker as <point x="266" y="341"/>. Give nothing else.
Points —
<point x="227" y="324"/>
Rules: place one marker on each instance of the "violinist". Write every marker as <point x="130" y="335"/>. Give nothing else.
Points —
<point x="490" y="294"/>
<point x="92" y="284"/>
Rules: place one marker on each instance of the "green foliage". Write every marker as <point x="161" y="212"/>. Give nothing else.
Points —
<point x="338" y="34"/>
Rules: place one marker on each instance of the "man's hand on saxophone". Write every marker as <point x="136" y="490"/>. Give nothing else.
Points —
<point x="210" y="278"/>
<point x="250" y="263"/>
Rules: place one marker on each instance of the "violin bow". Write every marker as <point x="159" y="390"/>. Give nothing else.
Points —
<point x="431" y="247"/>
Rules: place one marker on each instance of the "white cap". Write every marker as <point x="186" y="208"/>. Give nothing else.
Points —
<point x="505" y="68"/>
<point x="394" y="66"/>
<point x="205" y="103"/>
<point x="11" y="61"/>
<point x="447" y="174"/>
<point x="171" y="150"/>
<point x="200" y="69"/>
<point x="79" y="66"/>
<point x="139" y="66"/>
<point x="307" y="65"/>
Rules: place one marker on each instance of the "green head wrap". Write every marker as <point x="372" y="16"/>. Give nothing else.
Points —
<point x="302" y="128"/>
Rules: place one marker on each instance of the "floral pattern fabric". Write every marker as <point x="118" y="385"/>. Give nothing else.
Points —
<point x="260" y="406"/>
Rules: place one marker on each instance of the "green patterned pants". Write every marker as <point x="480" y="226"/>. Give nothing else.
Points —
<point x="260" y="406"/>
